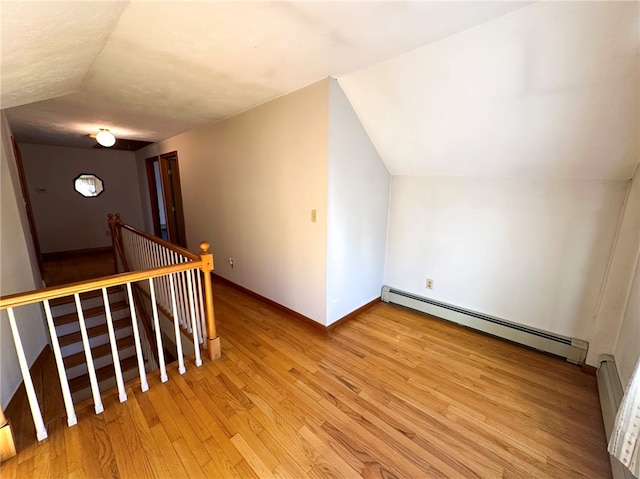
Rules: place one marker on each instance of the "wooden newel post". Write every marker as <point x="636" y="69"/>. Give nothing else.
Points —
<point x="213" y="341"/>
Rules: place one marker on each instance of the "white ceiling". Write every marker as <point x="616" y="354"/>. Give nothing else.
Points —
<point x="548" y="91"/>
<point x="150" y="70"/>
<point x="522" y="89"/>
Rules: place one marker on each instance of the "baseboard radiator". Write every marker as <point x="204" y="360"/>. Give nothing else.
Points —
<point x="574" y="350"/>
<point x="611" y="392"/>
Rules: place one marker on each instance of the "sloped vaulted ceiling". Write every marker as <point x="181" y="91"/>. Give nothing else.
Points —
<point x="47" y="50"/>
<point x="548" y="91"/>
<point x="150" y="70"/>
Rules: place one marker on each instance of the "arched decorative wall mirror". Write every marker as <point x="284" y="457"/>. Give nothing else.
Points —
<point x="88" y="185"/>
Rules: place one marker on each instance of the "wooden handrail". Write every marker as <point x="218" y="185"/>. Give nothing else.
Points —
<point x="155" y="239"/>
<point x="53" y="292"/>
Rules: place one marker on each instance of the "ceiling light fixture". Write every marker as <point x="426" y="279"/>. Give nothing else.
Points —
<point x="105" y="138"/>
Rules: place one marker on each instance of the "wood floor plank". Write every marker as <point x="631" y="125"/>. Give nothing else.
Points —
<point x="189" y="461"/>
<point x="167" y="451"/>
<point x="252" y="458"/>
<point x="391" y="393"/>
<point x="150" y="449"/>
<point x="106" y="458"/>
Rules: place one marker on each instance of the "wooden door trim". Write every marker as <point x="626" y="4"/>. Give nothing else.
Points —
<point x="27" y="204"/>
<point x="153" y="195"/>
<point x="177" y="221"/>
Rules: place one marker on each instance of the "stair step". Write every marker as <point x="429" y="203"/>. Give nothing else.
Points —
<point x="81" y="382"/>
<point x="97" y="352"/>
<point x="99" y="330"/>
<point x="89" y="313"/>
<point x="87" y="295"/>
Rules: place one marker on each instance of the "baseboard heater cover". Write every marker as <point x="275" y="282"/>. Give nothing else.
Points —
<point x="574" y="350"/>
<point x="611" y="393"/>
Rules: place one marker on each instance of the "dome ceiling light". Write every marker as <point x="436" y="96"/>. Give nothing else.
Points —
<point x="105" y="138"/>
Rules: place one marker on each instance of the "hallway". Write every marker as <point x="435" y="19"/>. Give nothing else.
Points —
<point x="390" y="394"/>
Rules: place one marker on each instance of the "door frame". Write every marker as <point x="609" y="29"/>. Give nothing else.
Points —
<point x="27" y="204"/>
<point x="172" y="197"/>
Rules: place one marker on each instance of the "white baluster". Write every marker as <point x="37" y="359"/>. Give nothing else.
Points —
<point x="136" y="255"/>
<point x="166" y="290"/>
<point x="202" y="327"/>
<point x="93" y="380"/>
<point x="136" y="336"/>
<point x="151" y="246"/>
<point x="182" y="290"/>
<point x="41" y="430"/>
<point x="181" y="293"/>
<point x="62" y="373"/>
<point x="140" y="255"/>
<point x="156" y="322"/>
<point x="185" y="296"/>
<point x="196" y="345"/>
<point x="176" y="326"/>
<point x="114" y="347"/>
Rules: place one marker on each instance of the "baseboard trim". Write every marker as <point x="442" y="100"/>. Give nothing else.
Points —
<point x="300" y="317"/>
<point x="58" y="255"/>
<point x="354" y="313"/>
<point x="294" y="314"/>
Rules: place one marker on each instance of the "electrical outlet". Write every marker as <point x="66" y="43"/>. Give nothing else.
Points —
<point x="429" y="283"/>
<point x="231" y="262"/>
<point x="314" y="216"/>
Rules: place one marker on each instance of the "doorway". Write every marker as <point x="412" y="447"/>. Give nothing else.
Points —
<point x="27" y="204"/>
<point x="163" y="176"/>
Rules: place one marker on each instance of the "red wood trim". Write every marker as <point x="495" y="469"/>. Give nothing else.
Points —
<point x="587" y="369"/>
<point x="153" y="195"/>
<point x="294" y="314"/>
<point x="173" y="198"/>
<point x="27" y="203"/>
<point x="354" y="313"/>
<point x="300" y="317"/>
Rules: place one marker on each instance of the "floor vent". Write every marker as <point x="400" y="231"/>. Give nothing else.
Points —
<point x="611" y="393"/>
<point x="574" y="350"/>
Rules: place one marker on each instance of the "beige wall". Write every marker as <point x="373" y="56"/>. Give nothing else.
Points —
<point x="18" y="273"/>
<point x="64" y="219"/>
<point x="249" y="184"/>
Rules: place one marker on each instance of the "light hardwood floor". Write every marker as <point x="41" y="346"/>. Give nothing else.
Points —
<point x="391" y="393"/>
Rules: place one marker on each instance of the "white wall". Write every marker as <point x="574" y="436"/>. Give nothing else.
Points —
<point x="358" y="203"/>
<point x="249" y="184"/>
<point x="549" y="90"/>
<point x="627" y="350"/>
<point x="18" y="273"/>
<point x="529" y="251"/>
<point x="615" y="291"/>
<point x="65" y="220"/>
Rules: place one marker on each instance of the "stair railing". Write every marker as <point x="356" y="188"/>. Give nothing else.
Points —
<point x="154" y="278"/>
<point x="137" y="250"/>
